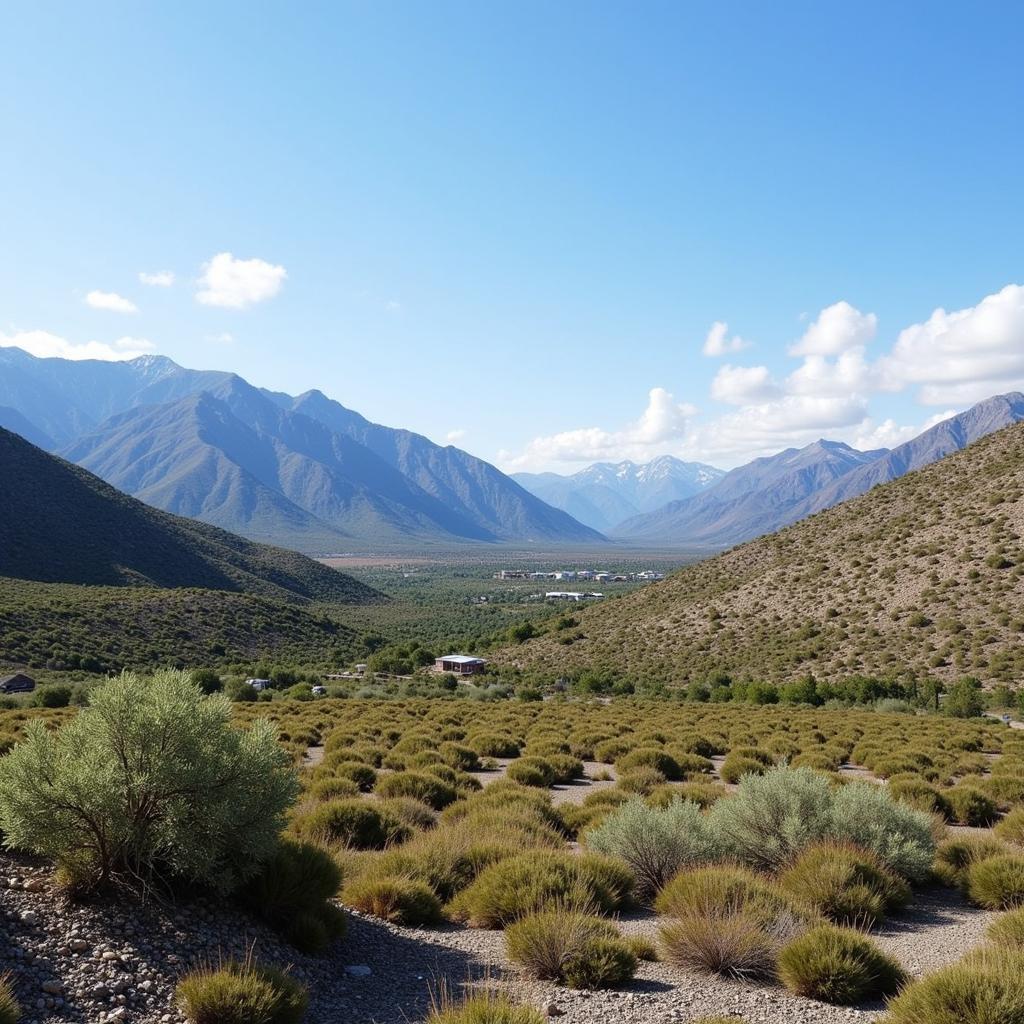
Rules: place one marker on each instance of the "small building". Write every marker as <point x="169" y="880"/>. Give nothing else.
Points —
<point x="258" y="684"/>
<point x="460" y="664"/>
<point x="602" y="577"/>
<point x="565" y="574"/>
<point x="17" y="683"/>
<point x="360" y="668"/>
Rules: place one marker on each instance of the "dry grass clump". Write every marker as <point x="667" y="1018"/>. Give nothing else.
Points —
<point x="844" y="883"/>
<point x="997" y="883"/>
<point x="1007" y="930"/>
<point x="524" y="884"/>
<point x="241" y="993"/>
<point x="838" y="965"/>
<point x="10" y="1010"/>
<point x="954" y="857"/>
<point x="1011" y="828"/>
<point x="986" y="987"/>
<point x="569" y="945"/>
<point x="394" y="898"/>
<point x="487" y="1007"/>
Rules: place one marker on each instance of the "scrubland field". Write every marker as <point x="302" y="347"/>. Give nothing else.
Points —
<point x="505" y="862"/>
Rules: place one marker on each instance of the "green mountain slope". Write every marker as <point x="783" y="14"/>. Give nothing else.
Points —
<point x="105" y="629"/>
<point x="920" y="576"/>
<point x="61" y="524"/>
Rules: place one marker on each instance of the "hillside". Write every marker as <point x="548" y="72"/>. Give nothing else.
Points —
<point x="106" y="629"/>
<point x="923" y="575"/>
<point x="606" y="493"/>
<point x="61" y="524"/>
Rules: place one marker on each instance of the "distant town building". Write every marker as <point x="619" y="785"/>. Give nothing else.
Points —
<point x="460" y="664"/>
<point x="17" y="683"/>
<point x="571" y="595"/>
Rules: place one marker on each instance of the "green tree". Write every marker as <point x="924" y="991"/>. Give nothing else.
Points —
<point x="150" y="783"/>
<point x="965" y="699"/>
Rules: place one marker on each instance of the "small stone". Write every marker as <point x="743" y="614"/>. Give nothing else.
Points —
<point x="53" y="986"/>
<point x="358" y="971"/>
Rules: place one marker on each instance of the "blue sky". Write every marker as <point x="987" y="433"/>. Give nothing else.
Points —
<point x="515" y="224"/>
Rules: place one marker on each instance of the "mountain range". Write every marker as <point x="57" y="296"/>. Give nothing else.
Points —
<point x="606" y="493"/>
<point x="300" y="471"/>
<point x="769" y="493"/>
<point x="919" y="576"/>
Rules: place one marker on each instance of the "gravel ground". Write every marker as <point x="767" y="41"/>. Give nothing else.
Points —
<point x="120" y="961"/>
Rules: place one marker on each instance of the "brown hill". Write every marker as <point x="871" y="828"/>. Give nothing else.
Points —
<point x="924" y="575"/>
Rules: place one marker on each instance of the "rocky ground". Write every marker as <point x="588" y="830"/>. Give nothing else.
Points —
<point x="119" y="962"/>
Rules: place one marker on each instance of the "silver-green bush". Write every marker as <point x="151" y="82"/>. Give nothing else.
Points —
<point x="655" y="842"/>
<point x="151" y="781"/>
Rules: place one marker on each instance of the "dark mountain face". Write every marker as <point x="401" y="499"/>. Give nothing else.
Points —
<point x="64" y="525"/>
<point x="606" y="493"/>
<point x="303" y="472"/>
<point x="750" y="500"/>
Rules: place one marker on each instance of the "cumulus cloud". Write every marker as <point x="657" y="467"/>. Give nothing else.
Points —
<point x="236" y="284"/>
<point x="45" y="345"/>
<point x="718" y="343"/>
<point x="663" y="422"/>
<point x="839" y="327"/>
<point x="158" y="279"/>
<point x="110" y="301"/>
<point x="961" y="357"/>
<point x="889" y="434"/>
<point x="455" y="436"/>
<point x="741" y="385"/>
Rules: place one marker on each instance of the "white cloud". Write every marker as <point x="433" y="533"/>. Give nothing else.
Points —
<point x="819" y="375"/>
<point x="44" y="345"/>
<point x="888" y="434"/>
<point x="223" y="338"/>
<point x="718" y="342"/>
<point x="791" y="421"/>
<point x="961" y="357"/>
<point x="158" y="279"/>
<point x="839" y="327"/>
<point x="663" y="422"/>
<point x="456" y="435"/>
<point x="110" y="301"/>
<point x="236" y="284"/>
<point x="742" y="385"/>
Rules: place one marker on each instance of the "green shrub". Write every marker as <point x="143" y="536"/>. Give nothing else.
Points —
<point x="1007" y="930"/>
<point x="654" y="842"/>
<point x="356" y="823"/>
<point x="986" y="987"/>
<point x="847" y="885"/>
<point x="571" y="946"/>
<point x="362" y="774"/>
<point x="921" y="795"/>
<point x="483" y="1008"/>
<point x="215" y="796"/>
<point x="642" y="947"/>
<point x="719" y="889"/>
<point x="463" y="758"/>
<point x="649" y="757"/>
<point x="1011" y="828"/>
<point x="600" y="963"/>
<point x="241" y="994"/>
<point x="409" y="811"/>
<point x="955" y="856"/>
<point x="736" y="767"/>
<point x="971" y="806"/>
<point x="493" y="745"/>
<point x="997" y="883"/>
<point x="772" y="817"/>
<point x="422" y="786"/>
<point x="333" y="789"/>
<point x="10" y="1011"/>
<point x="838" y="965"/>
<point x="395" y="899"/>
<point x="292" y="893"/>
<point x="529" y="882"/>
<point x="642" y="781"/>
